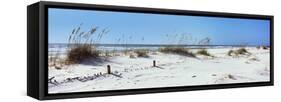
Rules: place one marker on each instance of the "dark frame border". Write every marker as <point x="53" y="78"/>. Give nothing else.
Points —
<point x="43" y="41"/>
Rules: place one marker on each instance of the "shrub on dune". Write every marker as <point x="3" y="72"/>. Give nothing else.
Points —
<point x="240" y="51"/>
<point x="265" y="47"/>
<point x="82" y="52"/>
<point x="204" y="52"/>
<point x="142" y="52"/>
<point x="177" y="50"/>
<point x="82" y="45"/>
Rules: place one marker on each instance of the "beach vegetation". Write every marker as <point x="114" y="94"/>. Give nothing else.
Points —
<point x="204" y="52"/>
<point x="142" y="52"/>
<point x="240" y="51"/>
<point x="177" y="50"/>
<point x="265" y="47"/>
<point x="258" y="47"/>
<point x="82" y="45"/>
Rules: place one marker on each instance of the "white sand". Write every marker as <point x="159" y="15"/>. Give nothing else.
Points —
<point x="172" y="70"/>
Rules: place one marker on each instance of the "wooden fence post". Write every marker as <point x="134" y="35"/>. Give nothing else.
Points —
<point x="154" y="63"/>
<point x="108" y="69"/>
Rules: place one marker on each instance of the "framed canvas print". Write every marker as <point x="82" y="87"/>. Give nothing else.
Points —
<point x="83" y="50"/>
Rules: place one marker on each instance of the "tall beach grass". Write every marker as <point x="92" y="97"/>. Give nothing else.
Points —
<point x="82" y="45"/>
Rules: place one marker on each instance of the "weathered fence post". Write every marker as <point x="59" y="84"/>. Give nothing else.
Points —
<point x="154" y="63"/>
<point x="108" y="69"/>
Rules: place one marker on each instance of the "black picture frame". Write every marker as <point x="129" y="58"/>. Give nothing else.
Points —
<point x="37" y="37"/>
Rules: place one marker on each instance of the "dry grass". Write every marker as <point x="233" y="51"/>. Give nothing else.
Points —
<point x="177" y="50"/>
<point x="142" y="52"/>
<point x="265" y="47"/>
<point x="240" y="51"/>
<point x="54" y="59"/>
<point x="204" y="52"/>
<point x="132" y="56"/>
<point x="230" y="52"/>
<point x="82" y="45"/>
<point x="80" y="53"/>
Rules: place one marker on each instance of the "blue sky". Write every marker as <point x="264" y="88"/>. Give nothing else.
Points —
<point x="158" y="28"/>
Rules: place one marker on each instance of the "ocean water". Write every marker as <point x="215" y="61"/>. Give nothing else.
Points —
<point x="62" y="48"/>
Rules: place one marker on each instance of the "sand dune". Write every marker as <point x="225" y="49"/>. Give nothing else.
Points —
<point x="171" y="70"/>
